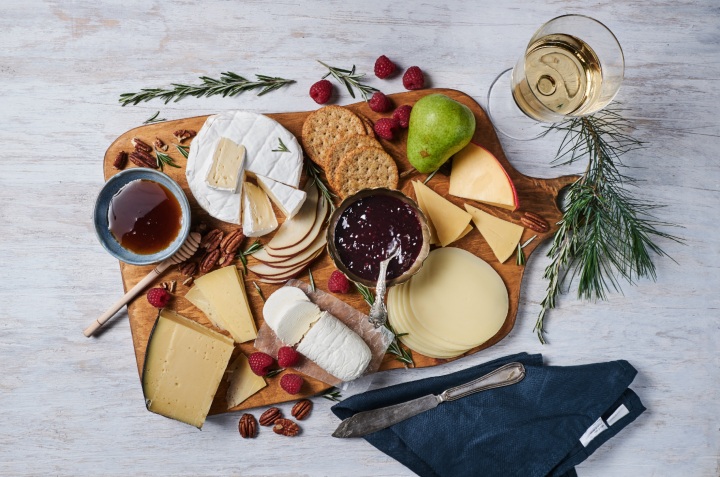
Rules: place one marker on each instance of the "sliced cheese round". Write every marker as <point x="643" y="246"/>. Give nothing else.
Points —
<point x="458" y="297"/>
<point x="295" y="321"/>
<point x="259" y="135"/>
<point x="277" y="303"/>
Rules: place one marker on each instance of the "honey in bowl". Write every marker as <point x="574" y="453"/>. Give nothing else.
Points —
<point x="366" y="231"/>
<point x="144" y="217"/>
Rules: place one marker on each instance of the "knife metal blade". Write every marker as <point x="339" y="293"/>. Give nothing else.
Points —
<point x="367" y="422"/>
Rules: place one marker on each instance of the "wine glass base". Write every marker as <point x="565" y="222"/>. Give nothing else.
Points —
<point x="504" y="113"/>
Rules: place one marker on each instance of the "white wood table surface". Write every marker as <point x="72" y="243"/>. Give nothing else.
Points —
<point x="73" y="406"/>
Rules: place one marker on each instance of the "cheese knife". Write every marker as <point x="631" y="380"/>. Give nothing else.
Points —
<point x="367" y="422"/>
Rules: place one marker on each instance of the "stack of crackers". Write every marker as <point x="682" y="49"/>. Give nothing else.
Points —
<point x="344" y="145"/>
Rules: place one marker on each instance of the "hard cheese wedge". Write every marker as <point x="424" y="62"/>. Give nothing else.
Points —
<point x="258" y="218"/>
<point x="224" y="293"/>
<point x="184" y="365"/>
<point x="196" y="297"/>
<point x="502" y="236"/>
<point x="477" y="174"/>
<point x="288" y="199"/>
<point x="226" y="169"/>
<point x="449" y="220"/>
<point x="242" y="383"/>
<point x="421" y="203"/>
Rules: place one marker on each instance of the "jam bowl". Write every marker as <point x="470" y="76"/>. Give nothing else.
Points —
<point x="141" y="216"/>
<point x="367" y="225"/>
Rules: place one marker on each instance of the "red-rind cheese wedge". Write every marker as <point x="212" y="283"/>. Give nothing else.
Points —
<point x="478" y="175"/>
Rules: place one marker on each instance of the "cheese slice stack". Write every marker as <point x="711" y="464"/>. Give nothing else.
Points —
<point x="447" y="222"/>
<point x="318" y="335"/>
<point x="221" y="296"/>
<point x="502" y="236"/>
<point x="184" y="365"/>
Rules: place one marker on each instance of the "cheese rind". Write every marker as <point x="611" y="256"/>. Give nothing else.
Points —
<point x="224" y="290"/>
<point x="226" y="169"/>
<point x="242" y="383"/>
<point x="449" y="220"/>
<point x="502" y="236"/>
<point x="288" y="199"/>
<point x="258" y="217"/>
<point x="184" y="365"/>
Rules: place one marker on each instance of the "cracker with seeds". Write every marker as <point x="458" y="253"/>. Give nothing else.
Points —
<point x="325" y="127"/>
<point x="338" y="150"/>
<point x="365" y="168"/>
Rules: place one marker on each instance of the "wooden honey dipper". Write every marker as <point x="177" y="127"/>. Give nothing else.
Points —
<point x="187" y="250"/>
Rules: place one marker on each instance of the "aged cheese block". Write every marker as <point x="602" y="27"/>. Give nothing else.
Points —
<point x="184" y="365"/>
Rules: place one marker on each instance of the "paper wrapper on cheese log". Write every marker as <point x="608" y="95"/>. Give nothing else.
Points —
<point x="377" y="339"/>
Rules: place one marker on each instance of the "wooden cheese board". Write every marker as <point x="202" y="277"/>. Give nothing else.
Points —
<point x="536" y="195"/>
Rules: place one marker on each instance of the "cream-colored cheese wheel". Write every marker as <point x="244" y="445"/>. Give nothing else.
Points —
<point x="458" y="298"/>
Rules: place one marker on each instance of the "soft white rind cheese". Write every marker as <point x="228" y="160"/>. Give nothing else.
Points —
<point x="296" y="321"/>
<point x="227" y="169"/>
<point x="335" y="348"/>
<point x="260" y="135"/>
<point x="288" y="199"/>
<point x="277" y="304"/>
<point x="258" y="218"/>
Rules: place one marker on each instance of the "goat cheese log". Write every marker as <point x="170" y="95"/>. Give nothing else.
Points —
<point x="317" y="334"/>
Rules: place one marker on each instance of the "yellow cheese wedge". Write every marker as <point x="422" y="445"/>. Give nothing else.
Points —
<point x="477" y="174"/>
<point x="224" y="293"/>
<point x="502" y="236"/>
<point x="433" y="234"/>
<point x="196" y="297"/>
<point x="242" y="383"/>
<point x="449" y="220"/>
<point x="184" y="365"/>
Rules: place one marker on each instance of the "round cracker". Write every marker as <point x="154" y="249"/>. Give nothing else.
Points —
<point x="365" y="168"/>
<point x="325" y="127"/>
<point x="336" y="152"/>
<point x="369" y="128"/>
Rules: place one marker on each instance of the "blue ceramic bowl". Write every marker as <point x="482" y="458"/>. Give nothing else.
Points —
<point x="102" y="205"/>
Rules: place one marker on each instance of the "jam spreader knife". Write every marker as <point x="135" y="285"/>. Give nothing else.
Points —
<point x="378" y="311"/>
<point x="367" y="422"/>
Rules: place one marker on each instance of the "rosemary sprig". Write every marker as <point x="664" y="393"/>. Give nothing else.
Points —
<point x="350" y="79"/>
<point x="274" y="372"/>
<point x="257" y="288"/>
<point x="183" y="150"/>
<point x="332" y="394"/>
<point x="312" y="281"/>
<point x="396" y="349"/>
<point x="606" y="233"/>
<point x="520" y="254"/>
<point x="314" y="173"/>
<point x="164" y="160"/>
<point x="250" y="250"/>
<point x="281" y="146"/>
<point x="229" y="84"/>
<point x="432" y="174"/>
<point x="154" y="119"/>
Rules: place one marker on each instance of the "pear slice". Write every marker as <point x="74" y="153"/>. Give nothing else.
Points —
<point x="278" y="255"/>
<point x="281" y="268"/>
<point x="294" y="230"/>
<point x="291" y="272"/>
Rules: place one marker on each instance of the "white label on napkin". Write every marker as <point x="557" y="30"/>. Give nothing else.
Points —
<point x="619" y="413"/>
<point x="597" y="427"/>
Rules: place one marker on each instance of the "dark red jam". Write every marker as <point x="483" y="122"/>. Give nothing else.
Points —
<point x="366" y="231"/>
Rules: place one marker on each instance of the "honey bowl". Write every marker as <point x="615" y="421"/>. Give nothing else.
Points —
<point x="364" y="228"/>
<point x="141" y="216"/>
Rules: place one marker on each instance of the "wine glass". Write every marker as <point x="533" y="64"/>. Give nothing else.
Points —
<point x="572" y="66"/>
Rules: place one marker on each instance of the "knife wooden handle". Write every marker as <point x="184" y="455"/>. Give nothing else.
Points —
<point x="506" y="375"/>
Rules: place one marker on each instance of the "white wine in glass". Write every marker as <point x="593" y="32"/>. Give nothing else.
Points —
<point x="572" y="66"/>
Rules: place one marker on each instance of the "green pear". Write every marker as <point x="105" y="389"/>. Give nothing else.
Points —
<point x="439" y="127"/>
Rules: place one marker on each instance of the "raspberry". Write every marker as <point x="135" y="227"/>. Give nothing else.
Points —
<point x="287" y="357"/>
<point x="384" y="67"/>
<point x="379" y="102"/>
<point x="413" y="78"/>
<point x="338" y="282"/>
<point x="402" y="115"/>
<point x="386" y="127"/>
<point x="260" y="362"/>
<point x="291" y="383"/>
<point x="158" y="297"/>
<point x="321" y="91"/>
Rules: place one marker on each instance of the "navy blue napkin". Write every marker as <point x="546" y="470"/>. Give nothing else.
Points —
<point x="543" y="426"/>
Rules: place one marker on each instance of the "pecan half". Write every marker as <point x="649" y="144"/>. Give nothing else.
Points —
<point x="534" y="222"/>
<point x="188" y="268"/>
<point x="188" y="281"/>
<point x="286" y="427"/>
<point x="226" y="259"/>
<point x="141" y="145"/>
<point x="120" y="160"/>
<point x="247" y="426"/>
<point x="212" y="239"/>
<point x="143" y="159"/>
<point x="269" y="417"/>
<point x="231" y="242"/>
<point x="209" y="260"/>
<point x="301" y="409"/>
<point x="183" y="134"/>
